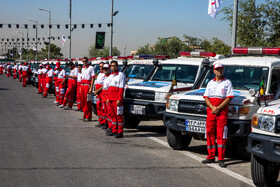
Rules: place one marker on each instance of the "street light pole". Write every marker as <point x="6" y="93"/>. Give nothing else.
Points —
<point x="70" y="28"/>
<point x="112" y="11"/>
<point x="21" y="45"/>
<point x="49" y="51"/>
<point x="234" y="25"/>
<point x="36" y="44"/>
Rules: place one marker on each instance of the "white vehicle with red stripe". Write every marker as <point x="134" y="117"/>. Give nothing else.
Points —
<point x="185" y="115"/>
<point x="147" y="100"/>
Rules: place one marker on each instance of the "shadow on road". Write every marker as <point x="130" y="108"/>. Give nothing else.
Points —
<point x="4" y="89"/>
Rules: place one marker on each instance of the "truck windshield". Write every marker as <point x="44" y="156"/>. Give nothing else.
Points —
<point x="242" y="77"/>
<point x="139" y="71"/>
<point x="184" y="73"/>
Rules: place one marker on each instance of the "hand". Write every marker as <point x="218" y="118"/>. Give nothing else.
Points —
<point x="95" y="93"/>
<point x="215" y="110"/>
<point x="107" y="102"/>
<point x="118" y="103"/>
<point x="90" y="91"/>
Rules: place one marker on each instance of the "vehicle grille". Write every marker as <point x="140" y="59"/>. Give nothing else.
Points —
<point x="192" y="107"/>
<point x="140" y="94"/>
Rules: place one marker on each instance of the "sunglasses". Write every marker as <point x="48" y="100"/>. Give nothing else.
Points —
<point x="84" y="61"/>
<point x="113" y="65"/>
<point x="105" y="68"/>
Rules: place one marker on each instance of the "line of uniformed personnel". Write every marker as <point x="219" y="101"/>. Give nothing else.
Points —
<point x="107" y="86"/>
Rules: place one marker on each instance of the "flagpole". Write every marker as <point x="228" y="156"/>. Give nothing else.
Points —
<point x="234" y="25"/>
<point x="70" y="10"/>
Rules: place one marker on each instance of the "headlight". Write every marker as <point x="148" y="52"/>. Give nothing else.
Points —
<point x="233" y="110"/>
<point x="172" y="105"/>
<point x="160" y="96"/>
<point x="243" y="111"/>
<point x="264" y="122"/>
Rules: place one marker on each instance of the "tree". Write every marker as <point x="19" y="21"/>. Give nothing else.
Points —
<point x="145" y="50"/>
<point x="54" y="52"/>
<point x="215" y="45"/>
<point x="258" y="25"/>
<point x="192" y="41"/>
<point x="93" y="52"/>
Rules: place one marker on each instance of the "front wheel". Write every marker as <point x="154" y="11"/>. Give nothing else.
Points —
<point x="177" y="140"/>
<point x="264" y="173"/>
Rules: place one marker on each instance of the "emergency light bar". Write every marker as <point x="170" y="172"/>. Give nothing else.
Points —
<point x="162" y="57"/>
<point x="256" y="50"/>
<point x="91" y="59"/>
<point x="198" y="54"/>
<point x="122" y="57"/>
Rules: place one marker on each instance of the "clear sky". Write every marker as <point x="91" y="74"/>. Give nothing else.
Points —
<point x="138" y="22"/>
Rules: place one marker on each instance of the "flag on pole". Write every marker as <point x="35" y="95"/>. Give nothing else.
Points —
<point x="213" y="7"/>
<point x="34" y="48"/>
<point x="63" y="39"/>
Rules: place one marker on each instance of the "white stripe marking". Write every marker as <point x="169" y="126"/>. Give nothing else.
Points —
<point x="187" y="153"/>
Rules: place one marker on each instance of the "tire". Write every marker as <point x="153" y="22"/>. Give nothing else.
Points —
<point x="176" y="140"/>
<point x="131" y="122"/>
<point x="264" y="173"/>
<point x="242" y="145"/>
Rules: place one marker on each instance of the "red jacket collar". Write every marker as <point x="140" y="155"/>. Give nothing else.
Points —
<point x="86" y="66"/>
<point x="116" y="73"/>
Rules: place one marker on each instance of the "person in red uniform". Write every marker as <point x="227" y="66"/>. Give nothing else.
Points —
<point x="24" y="73"/>
<point x="40" y="84"/>
<point x="79" y="79"/>
<point x="61" y="82"/>
<point x="15" y="68"/>
<point x="115" y="100"/>
<point x="43" y="76"/>
<point x="9" y="70"/>
<point x="98" y="84"/>
<point x="1" y="69"/>
<point x="19" y="72"/>
<point x="56" y="84"/>
<point x="72" y="85"/>
<point x="88" y="77"/>
<point x="218" y="95"/>
<point x="48" y="80"/>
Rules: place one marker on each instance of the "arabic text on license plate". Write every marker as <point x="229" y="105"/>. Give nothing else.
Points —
<point x="195" y="126"/>
<point x="137" y="109"/>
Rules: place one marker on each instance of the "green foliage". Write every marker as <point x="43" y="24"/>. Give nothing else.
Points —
<point x="258" y="25"/>
<point x="54" y="52"/>
<point x="145" y="50"/>
<point x="215" y="45"/>
<point x="93" y="52"/>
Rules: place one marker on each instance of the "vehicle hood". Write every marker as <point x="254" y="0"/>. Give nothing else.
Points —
<point x="238" y="99"/>
<point x="273" y="108"/>
<point x="157" y="86"/>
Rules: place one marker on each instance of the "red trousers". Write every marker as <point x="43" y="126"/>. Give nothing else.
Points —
<point x="9" y="73"/>
<point x="48" y="82"/>
<point x="86" y="105"/>
<point x="69" y="95"/>
<point x="78" y="95"/>
<point x="216" y="126"/>
<point x="105" y="115"/>
<point x="117" y="120"/>
<point x="1" y="71"/>
<point x="99" y="108"/>
<point x="15" y="74"/>
<point x="40" y="85"/>
<point x="19" y="76"/>
<point x="24" y="81"/>
<point x="56" y="84"/>
<point x="61" y="92"/>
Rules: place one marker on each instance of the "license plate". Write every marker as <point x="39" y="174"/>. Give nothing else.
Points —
<point x="137" y="109"/>
<point x="195" y="126"/>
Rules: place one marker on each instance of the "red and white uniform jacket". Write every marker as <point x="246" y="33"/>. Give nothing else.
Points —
<point x="9" y="67"/>
<point x="55" y="74"/>
<point x="88" y="72"/>
<point x="44" y="71"/>
<point x="39" y="73"/>
<point x="98" y="83"/>
<point x="74" y="72"/>
<point x="116" y="86"/>
<point x="106" y="83"/>
<point x="50" y="73"/>
<point x="79" y="77"/>
<point x="217" y="92"/>
<point x="15" y="67"/>
<point x="24" y="70"/>
<point x="61" y="74"/>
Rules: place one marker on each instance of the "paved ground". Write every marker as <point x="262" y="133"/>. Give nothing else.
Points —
<point x="42" y="145"/>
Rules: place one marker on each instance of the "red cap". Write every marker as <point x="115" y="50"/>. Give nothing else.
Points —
<point x="25" y="63"/>
<point x="218" y="65"/>
<point x="48" y="66"/>
<point x="57" y="63"/>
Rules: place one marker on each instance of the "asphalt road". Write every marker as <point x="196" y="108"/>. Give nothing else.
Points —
<point x="43" y="145"/>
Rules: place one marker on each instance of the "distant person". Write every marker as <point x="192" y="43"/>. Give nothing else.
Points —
<point x="19" y="71"/>
<point x="78" y="95"/>
<point x="9" y="69"/>
<point x="88" y="77"/>
<point x="15" y="68"/>
<point x="40" y="83"/>
<point x="72" y="86"/>
<point x="218" y="95"/>
<point x="24" y="73"/>
<point x="48" y="80"/>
